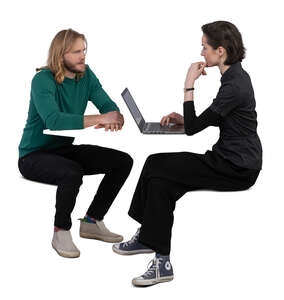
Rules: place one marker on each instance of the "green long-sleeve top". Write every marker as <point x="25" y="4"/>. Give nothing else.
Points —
<point x="60" y="107"/>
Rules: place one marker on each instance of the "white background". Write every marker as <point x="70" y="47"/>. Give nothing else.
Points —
<point x="224" y="245"/>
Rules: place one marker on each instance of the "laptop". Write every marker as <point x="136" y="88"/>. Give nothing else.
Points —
<point x="145" y="127"/>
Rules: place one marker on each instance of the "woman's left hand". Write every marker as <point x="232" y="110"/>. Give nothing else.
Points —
<point x="195" y="70"/>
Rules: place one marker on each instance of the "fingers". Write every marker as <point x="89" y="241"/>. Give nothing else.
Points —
<point x="169" y="118"/>
<point x="202" y="67"/>
<point x="99" y="126"/>
<point x="162" y="122"/>
<point x="165" y="120"/>
<point x="107" y="127"/>
<point x="111" y="126"/>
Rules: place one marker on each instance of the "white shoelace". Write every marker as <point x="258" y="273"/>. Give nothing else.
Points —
<point x="154" y="267"/>
<point x="133" y="239"/>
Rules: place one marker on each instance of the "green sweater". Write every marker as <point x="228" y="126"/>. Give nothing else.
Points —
<point x="60" y="107"/>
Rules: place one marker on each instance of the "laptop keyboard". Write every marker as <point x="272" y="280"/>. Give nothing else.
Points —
<point x="157" y="128"/>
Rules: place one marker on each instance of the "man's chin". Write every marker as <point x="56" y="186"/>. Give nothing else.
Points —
<point x="81" y="68"/>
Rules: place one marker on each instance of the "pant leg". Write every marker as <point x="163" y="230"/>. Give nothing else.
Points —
<point x="166" y="177"/>
<point x="57" y="170"/>
<point x="116" y="165"/>
<point x="156" y="229"/>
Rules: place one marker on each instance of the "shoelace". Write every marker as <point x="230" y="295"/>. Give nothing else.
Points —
<point x="133" y="239"/>
<point x="154" y="267"/>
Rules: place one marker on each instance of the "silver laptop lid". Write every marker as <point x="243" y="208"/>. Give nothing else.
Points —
<point x="136" y="114"/>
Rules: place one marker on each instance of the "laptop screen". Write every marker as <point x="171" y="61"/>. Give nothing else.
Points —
<point x="136" y="114"/>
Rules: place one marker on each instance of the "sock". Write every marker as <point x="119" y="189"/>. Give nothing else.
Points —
<point x="89" y="219"/>
<point x="163" y="257"/>
<point x="56" y="229"/>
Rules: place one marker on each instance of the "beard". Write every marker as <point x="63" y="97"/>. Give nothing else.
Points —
<point x="72" y="67"/>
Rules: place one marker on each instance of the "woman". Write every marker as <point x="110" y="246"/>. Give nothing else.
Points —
<point x="232" y="165"/>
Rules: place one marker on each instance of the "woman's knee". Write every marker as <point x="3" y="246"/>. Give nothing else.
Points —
<point x="156" y="162"/>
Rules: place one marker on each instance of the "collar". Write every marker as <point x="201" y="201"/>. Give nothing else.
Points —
<point x="230" y="73"/>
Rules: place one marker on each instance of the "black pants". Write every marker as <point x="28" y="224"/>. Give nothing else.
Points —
<point x="65" y="168"/>
<point x="166" y="177"/>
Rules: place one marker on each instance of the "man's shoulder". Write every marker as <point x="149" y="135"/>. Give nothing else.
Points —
<point x="43" y="77"/>
<point x="89" y="72"/>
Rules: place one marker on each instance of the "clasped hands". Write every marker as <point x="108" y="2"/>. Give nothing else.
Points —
<point x="110" y="121"/>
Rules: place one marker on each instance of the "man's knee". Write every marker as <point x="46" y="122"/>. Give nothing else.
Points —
<point x="125" y="160"/>
<point x="72" y="176"/>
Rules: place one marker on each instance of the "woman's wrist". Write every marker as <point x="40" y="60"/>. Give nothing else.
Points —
<point x="189" y="84"/>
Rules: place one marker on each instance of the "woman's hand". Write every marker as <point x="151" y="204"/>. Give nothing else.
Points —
<point x="172" y="118"/>
<point x="195" y="70"/>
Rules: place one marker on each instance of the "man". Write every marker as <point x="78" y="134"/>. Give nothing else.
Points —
<point x="59" y="96"/>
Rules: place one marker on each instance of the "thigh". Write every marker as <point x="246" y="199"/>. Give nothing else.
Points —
<point x="99" y="160"/>
<point x="49" y="168"/>
<point x="193" y="170"/>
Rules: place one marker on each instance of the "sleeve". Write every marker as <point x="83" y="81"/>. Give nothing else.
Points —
<point x="225" y="101"/>
<point x="43" y="95"/>
<point x="99" y="97"/>
<point x="194" y="124"/>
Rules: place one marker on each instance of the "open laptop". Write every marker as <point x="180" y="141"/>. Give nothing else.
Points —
<point x="148" y="128"/>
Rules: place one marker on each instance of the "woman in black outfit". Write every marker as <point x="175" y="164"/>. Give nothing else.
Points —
<point x="232" y="165"/>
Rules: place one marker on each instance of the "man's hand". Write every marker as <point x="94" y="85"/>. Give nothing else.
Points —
<point x="172" y="118"/>
<point x="112" y="120"/>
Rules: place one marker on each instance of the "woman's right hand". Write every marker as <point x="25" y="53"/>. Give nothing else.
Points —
<point x="172" y="118"/>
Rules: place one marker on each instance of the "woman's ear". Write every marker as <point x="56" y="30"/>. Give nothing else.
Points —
<point x="221" y="51"/>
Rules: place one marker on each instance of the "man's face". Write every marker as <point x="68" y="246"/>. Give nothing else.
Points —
<point x="74" y="59"/>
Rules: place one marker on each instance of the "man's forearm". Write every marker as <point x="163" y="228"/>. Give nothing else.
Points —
<point x="91" y="120"/>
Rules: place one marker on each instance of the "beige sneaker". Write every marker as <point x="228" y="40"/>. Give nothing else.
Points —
<point x="63" y="244"/>
<point x="98" y="231"/>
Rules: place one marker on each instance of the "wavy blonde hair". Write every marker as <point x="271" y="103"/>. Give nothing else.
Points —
<point x="61" y="44"/>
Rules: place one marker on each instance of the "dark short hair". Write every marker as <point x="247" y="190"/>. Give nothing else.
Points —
<point x="227" y="35"/>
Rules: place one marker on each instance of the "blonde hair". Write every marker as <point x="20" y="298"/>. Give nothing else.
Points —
<point x="60" y="44"/>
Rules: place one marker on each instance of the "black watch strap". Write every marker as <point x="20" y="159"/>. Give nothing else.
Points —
<point x="188" y="89"/>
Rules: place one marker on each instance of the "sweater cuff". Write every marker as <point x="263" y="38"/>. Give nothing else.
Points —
<point x="78" y="122"/>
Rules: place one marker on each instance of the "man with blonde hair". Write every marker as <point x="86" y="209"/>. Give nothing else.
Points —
<point x="60" y="92"/>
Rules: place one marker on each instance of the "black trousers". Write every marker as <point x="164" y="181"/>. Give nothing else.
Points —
<point x="166" y="177"/>
<point x="65" y="168"/>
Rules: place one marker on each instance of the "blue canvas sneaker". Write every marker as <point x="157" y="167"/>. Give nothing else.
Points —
<point x="160" y="271"/>
<point x="131" y="247"/>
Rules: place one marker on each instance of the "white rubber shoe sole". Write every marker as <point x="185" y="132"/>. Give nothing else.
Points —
<point x="147" y="282"/>
<point x="133" y="252"/>
<point x="66" y="254"/>
<point x="101" y="237"/>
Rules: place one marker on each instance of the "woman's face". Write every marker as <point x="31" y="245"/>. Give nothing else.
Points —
<point x="212" y="56"/>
